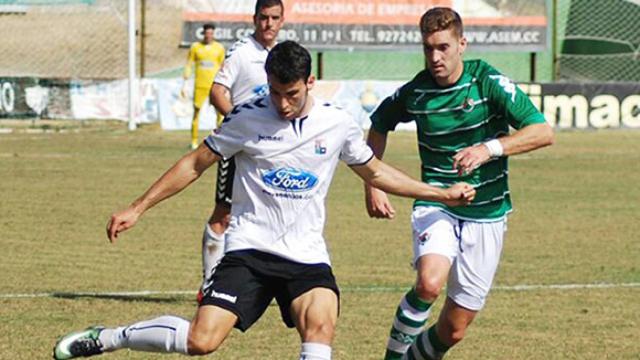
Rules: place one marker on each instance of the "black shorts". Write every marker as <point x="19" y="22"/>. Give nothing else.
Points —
<point x="245" y="282"/>
<point x="224" y="182"/>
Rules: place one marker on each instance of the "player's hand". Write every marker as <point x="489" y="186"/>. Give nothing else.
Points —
<point x="470" y="158"/>
<point x="459" y="194"/>
<point x="378" y="204"/>
<point x="184" y="91"/>
<point x="121" y="221"/>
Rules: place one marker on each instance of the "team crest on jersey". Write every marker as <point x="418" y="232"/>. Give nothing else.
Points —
<point x="320" y="147"/>
<point x="290" y="179"/>
<point x="468" y="104"/>
<point x="424" y="237"/>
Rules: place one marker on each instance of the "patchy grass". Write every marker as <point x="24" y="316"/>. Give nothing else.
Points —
<point x="577" y="206"/>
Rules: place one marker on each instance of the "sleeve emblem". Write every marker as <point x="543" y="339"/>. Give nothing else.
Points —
<point x="506" y="84"/>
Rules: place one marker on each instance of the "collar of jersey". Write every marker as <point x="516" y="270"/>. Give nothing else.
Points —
<point x="257" y="43"/>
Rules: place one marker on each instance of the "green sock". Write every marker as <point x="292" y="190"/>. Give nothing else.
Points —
<point x="411" y="315"/>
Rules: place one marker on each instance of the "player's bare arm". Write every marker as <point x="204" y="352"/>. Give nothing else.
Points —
<point x="388" y="179"/>
<point x="178" y="177"/>
<point x="524" y="140"/>
<point x="220" y="98"/>
<point x="378" y="203"/>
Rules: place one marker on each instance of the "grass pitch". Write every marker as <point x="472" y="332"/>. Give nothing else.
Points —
<point x="577" y="207"/>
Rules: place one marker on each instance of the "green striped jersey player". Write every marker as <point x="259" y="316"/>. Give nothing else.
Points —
<point x="477" y="108"/>
<point x="463" y="112"/>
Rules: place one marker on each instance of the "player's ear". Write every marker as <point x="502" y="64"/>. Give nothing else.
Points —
<point x="311" y="82"/>
<point x="463" y="44"/>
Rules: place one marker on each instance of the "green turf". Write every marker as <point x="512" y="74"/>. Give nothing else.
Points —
<point x="577" y="207"/>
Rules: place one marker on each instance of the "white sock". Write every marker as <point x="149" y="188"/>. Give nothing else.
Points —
<point x="164" y="334"/>
<point x="315" y="351"/>
<point x="212" y="250"/>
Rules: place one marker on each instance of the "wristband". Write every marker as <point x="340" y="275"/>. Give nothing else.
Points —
<point x="495" y="148"/>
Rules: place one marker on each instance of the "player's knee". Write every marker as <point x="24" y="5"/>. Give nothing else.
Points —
<point x="428" y="289"/>
<point x="322" y="332"/>
<point x="201" y="343"/>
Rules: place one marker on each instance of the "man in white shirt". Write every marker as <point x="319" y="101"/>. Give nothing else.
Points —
<point x="241" y="78"/>
<point x="287" y="146"/>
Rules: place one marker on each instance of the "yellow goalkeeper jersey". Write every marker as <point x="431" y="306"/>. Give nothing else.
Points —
<point x="207" y="59"/>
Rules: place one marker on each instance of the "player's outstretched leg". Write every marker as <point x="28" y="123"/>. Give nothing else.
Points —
<point x="163" y="334"/>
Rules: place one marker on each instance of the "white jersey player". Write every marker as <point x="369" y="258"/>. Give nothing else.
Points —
<point x="241" y="78"/>
<point x="283" y="172"/>
<point x="287" y="146"/>
<point x="243" y="72"/>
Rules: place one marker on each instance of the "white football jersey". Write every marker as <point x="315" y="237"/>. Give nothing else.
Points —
<point x="283" y="172"/>
<point x="242" y="71"/>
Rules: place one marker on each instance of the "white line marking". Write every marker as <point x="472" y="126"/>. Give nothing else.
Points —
<point x="566" y="286"/>
<point x="370" y="289"/>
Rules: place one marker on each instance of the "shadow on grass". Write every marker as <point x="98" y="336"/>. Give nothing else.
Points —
<point x="126" y="298"/>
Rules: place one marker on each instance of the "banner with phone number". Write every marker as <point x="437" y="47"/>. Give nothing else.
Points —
<point x="493" y="25"/>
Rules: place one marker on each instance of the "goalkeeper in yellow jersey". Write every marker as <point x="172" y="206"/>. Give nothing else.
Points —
<point x="207" y="56"/>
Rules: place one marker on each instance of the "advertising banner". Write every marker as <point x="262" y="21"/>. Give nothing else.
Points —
<point x="108" y="100"/>
<point x="587" y="106"/>
<point x="566" y="106"/>
<point x="22" y="97"/>
<point x="515" y="25"/>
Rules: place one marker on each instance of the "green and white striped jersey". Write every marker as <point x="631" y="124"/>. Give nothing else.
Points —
<point x="479" y="107"/>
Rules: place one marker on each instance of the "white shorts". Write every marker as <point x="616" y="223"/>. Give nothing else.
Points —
<point x="473" y="249"/>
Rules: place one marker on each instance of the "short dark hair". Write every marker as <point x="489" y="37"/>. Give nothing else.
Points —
<point x="440" y="18"/>
<point x="208" y="26"/>
<point x="260" y="4"/>
<point x="288" y="62"/>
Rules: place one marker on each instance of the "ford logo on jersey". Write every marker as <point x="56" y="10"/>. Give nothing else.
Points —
<point x="290" y="179"/>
